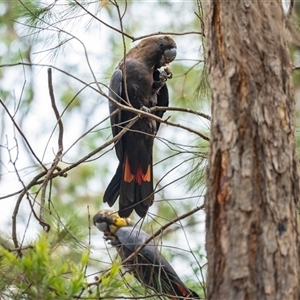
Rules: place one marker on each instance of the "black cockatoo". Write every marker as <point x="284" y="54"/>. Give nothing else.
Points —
<point x="148" y="265"/>
<point x="146" y="87"/>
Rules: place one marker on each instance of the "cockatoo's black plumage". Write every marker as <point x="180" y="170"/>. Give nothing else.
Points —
<point x="148" y="265"/>
<point x="146" y="87"/>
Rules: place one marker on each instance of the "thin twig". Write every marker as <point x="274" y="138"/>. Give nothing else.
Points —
<point x="202" y="283"/>
<point x="60" y="70"/>
<point x="25" y="190"/>
<point x="20" y="248"/>
<point x="166" y="33"/>
<point x="89" y="249"/>
<point x="186" y="110"/>
<point x="57" y="115"/>
<point x="59" y="151"/>
<point x="124" y="57"/>
<point x="203" y="136"/>
<point x="106" y="24"/>
<point x="22" y="134"/>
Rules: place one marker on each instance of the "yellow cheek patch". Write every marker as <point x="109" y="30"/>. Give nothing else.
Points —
<point x="113" y="220"/>
<point x="120" y="222"/>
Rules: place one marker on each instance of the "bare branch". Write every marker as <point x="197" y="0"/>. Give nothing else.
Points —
<point x="167" y="33"/>
<point x="187" y="110"/>
<point x="32" y="183"/>
<point x="58" y="154"/>
<point x="57" y="115"/>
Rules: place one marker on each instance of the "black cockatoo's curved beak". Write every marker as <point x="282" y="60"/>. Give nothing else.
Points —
<point x="170" y="55"/>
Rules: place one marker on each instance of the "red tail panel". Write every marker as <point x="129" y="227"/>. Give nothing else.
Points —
<point x="140" y="177"/>
<point x="128" y="177"/>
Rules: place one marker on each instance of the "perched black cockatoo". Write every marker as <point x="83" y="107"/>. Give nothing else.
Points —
<point x="148" y="265"/>
<point x="146" y="88"/>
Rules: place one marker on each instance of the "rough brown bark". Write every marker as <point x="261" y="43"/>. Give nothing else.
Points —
<point x="252" y="180"/>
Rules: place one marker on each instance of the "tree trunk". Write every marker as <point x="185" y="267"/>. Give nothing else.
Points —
<point x="252" y="180"/>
